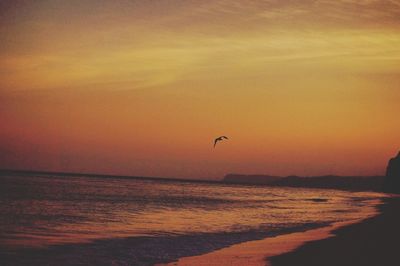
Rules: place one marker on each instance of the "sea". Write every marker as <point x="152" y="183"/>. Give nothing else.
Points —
<point x="82" y="220"/>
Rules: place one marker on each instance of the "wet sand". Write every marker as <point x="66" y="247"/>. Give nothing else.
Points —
<point x="371" y="241"/>
<point x="375" y="241"/>
<point x="254" y="253"/>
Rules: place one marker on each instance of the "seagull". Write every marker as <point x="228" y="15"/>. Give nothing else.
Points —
<point x="219" y="139"/>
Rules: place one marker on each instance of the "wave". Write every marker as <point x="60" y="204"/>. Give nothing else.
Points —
<point x="140" y="251"/>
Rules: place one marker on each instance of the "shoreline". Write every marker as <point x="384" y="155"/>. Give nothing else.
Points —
<point x="372" y="242"/>
<point x="276" y="251"/>
<point x="257" y="252"/>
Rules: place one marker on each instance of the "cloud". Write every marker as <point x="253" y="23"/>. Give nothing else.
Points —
<point x="162" y="43"/>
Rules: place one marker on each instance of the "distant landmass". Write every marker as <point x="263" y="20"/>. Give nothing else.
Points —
<point x="389" y="183"/>
<point x="354" y="183"/>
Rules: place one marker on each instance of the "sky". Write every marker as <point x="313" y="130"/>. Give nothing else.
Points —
<point x="143" y="87"/>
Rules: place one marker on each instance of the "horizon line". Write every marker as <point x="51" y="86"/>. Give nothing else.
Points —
<point x="88" y="174"/>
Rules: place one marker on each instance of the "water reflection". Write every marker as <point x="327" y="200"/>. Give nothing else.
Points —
<point x="41" y="211"/>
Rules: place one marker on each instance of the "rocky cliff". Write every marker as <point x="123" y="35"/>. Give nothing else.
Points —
<point x="392" y="180"/>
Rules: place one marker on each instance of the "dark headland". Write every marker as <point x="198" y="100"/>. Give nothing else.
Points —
<point x="392" y="179"/>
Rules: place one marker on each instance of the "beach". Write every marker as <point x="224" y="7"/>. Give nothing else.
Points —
<point x="371" y="241"/>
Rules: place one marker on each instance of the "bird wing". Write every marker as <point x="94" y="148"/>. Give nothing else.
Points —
<point x="215" y="142"/>
<point x="225" y="137"/>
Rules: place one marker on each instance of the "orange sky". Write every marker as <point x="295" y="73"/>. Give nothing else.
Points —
<point x="143" y="87"/>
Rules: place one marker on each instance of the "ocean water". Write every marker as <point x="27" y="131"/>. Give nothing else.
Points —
<point x="69" y="220"/>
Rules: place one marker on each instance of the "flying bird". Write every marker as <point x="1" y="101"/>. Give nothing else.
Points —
<point x="219" y="139"/>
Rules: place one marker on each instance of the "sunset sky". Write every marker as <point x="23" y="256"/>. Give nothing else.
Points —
<point x="143" y="87"/>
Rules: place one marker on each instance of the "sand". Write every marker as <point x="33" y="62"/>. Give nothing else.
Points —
<point x="373" y="241"/>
